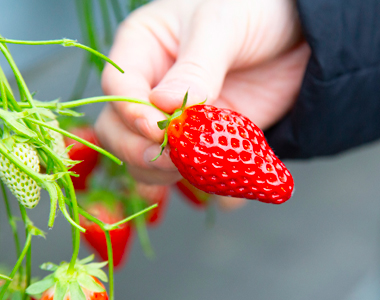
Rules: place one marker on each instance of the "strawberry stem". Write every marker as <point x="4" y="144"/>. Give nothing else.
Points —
<point x="110" y="264"/>
<point x="65" y="43"/>
<point x="164" y="124"/>
<point x="76" y="103"/>
<point x="76" y="138"/>
<point x="28" y="230"/>
<point x="18" y="264"/>
<point x="12" y="224"/>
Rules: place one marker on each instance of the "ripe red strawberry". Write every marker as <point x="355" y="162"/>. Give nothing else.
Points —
<point x="222" y="152"/>
<point x="88" y="156"/>
<point x="90" y="295"/>
<point x="121" y="238"/>
<point x="80" y="282"/>
<point x="197" y="198"/>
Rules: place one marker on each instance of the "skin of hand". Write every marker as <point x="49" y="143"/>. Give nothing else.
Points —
<point x="246" y="55"/>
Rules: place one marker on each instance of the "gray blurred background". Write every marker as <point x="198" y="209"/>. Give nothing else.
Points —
<point x="322" y="244"/>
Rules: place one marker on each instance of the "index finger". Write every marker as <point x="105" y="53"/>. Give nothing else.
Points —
<point x="144" y="58"/>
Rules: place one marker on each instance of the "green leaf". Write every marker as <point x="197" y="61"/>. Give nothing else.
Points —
<point x="89" y="283"/>
<point x="76" y="291"/>
<point x="61" y="290"/>
<point x="40" y="286"/>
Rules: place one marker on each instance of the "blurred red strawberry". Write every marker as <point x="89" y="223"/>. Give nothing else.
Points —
<point x="88" y="156"/>
<point x="104" y="206"/>
<point x="154" y="194"/>
<point x="193" y="195"/>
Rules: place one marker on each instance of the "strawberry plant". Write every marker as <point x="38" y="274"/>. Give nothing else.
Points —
<point x="33" y="157"/>
<point x="217" y="151"/>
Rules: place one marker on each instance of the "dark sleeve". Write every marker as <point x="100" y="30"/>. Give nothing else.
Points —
<point x="338" y="107"/>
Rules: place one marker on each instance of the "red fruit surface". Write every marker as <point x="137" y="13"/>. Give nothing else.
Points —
<point x="154" y="194"/>
<point x="88" y="156"/>
<point x="121" y="238"/>
<point x="90" y="295"/>
<point x="197" y="198"/>
<point x="222" y="152"/>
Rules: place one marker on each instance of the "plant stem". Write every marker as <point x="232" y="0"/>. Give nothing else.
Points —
<point x="70" y="193"/>
<point x="65" y="43"/>
<point x="12" y="224"/>
<point x="62" y="206"/>
<point x="110" y="264"/>
<point x="91" y="100"/>
<point x="141" y="228"/>
<point x="21" y="84"/>
<point x="18" y="264"/>
<point x="28" y="262"/>
<point x="76" y="138"/>
<point x="131" y="217"/>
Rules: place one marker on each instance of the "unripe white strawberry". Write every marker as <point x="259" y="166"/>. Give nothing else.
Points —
<point x="58" y="141"/>
<point x="21" y="185"/>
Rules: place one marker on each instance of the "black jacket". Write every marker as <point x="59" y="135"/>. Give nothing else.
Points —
<point x="339" y="103"/>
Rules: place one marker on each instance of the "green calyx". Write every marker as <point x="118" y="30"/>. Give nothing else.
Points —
<point x="64" y="281"/>
<point x="164" y="124"/>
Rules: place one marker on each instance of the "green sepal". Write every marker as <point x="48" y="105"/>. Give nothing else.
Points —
<point x="36" y="231"/>
<point x="184" y="102"/>
<point x="8" y="143"/>
<point x="86" y="260"/>
<point x="86" y="281"/>
<point x="69" y="163"/>
<point x="49" y="266"/>
<point x="163" y="124"/>
<point x="20" y="139"/>
<point x="40" y="286"/>
<point x="76" y="291"/>
<point x="163" y="145"/>
<point x="97" y="273"/>
<point x="61" y="289"/>
<point x="69" y="113"/>
<point x="97" y="265"/>
<point x="55" y="177"/>
<point x="46" y="113"/>
<point x="11" y="120"/>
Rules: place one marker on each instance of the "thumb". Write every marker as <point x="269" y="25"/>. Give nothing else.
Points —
<point x="203" y="59"/>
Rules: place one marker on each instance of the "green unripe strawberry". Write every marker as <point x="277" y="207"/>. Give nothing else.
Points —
<point x="25" y="189"/>
<point x="58" y="141"/>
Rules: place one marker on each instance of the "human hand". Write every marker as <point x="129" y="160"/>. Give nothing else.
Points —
<point x="245" y="55"/>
